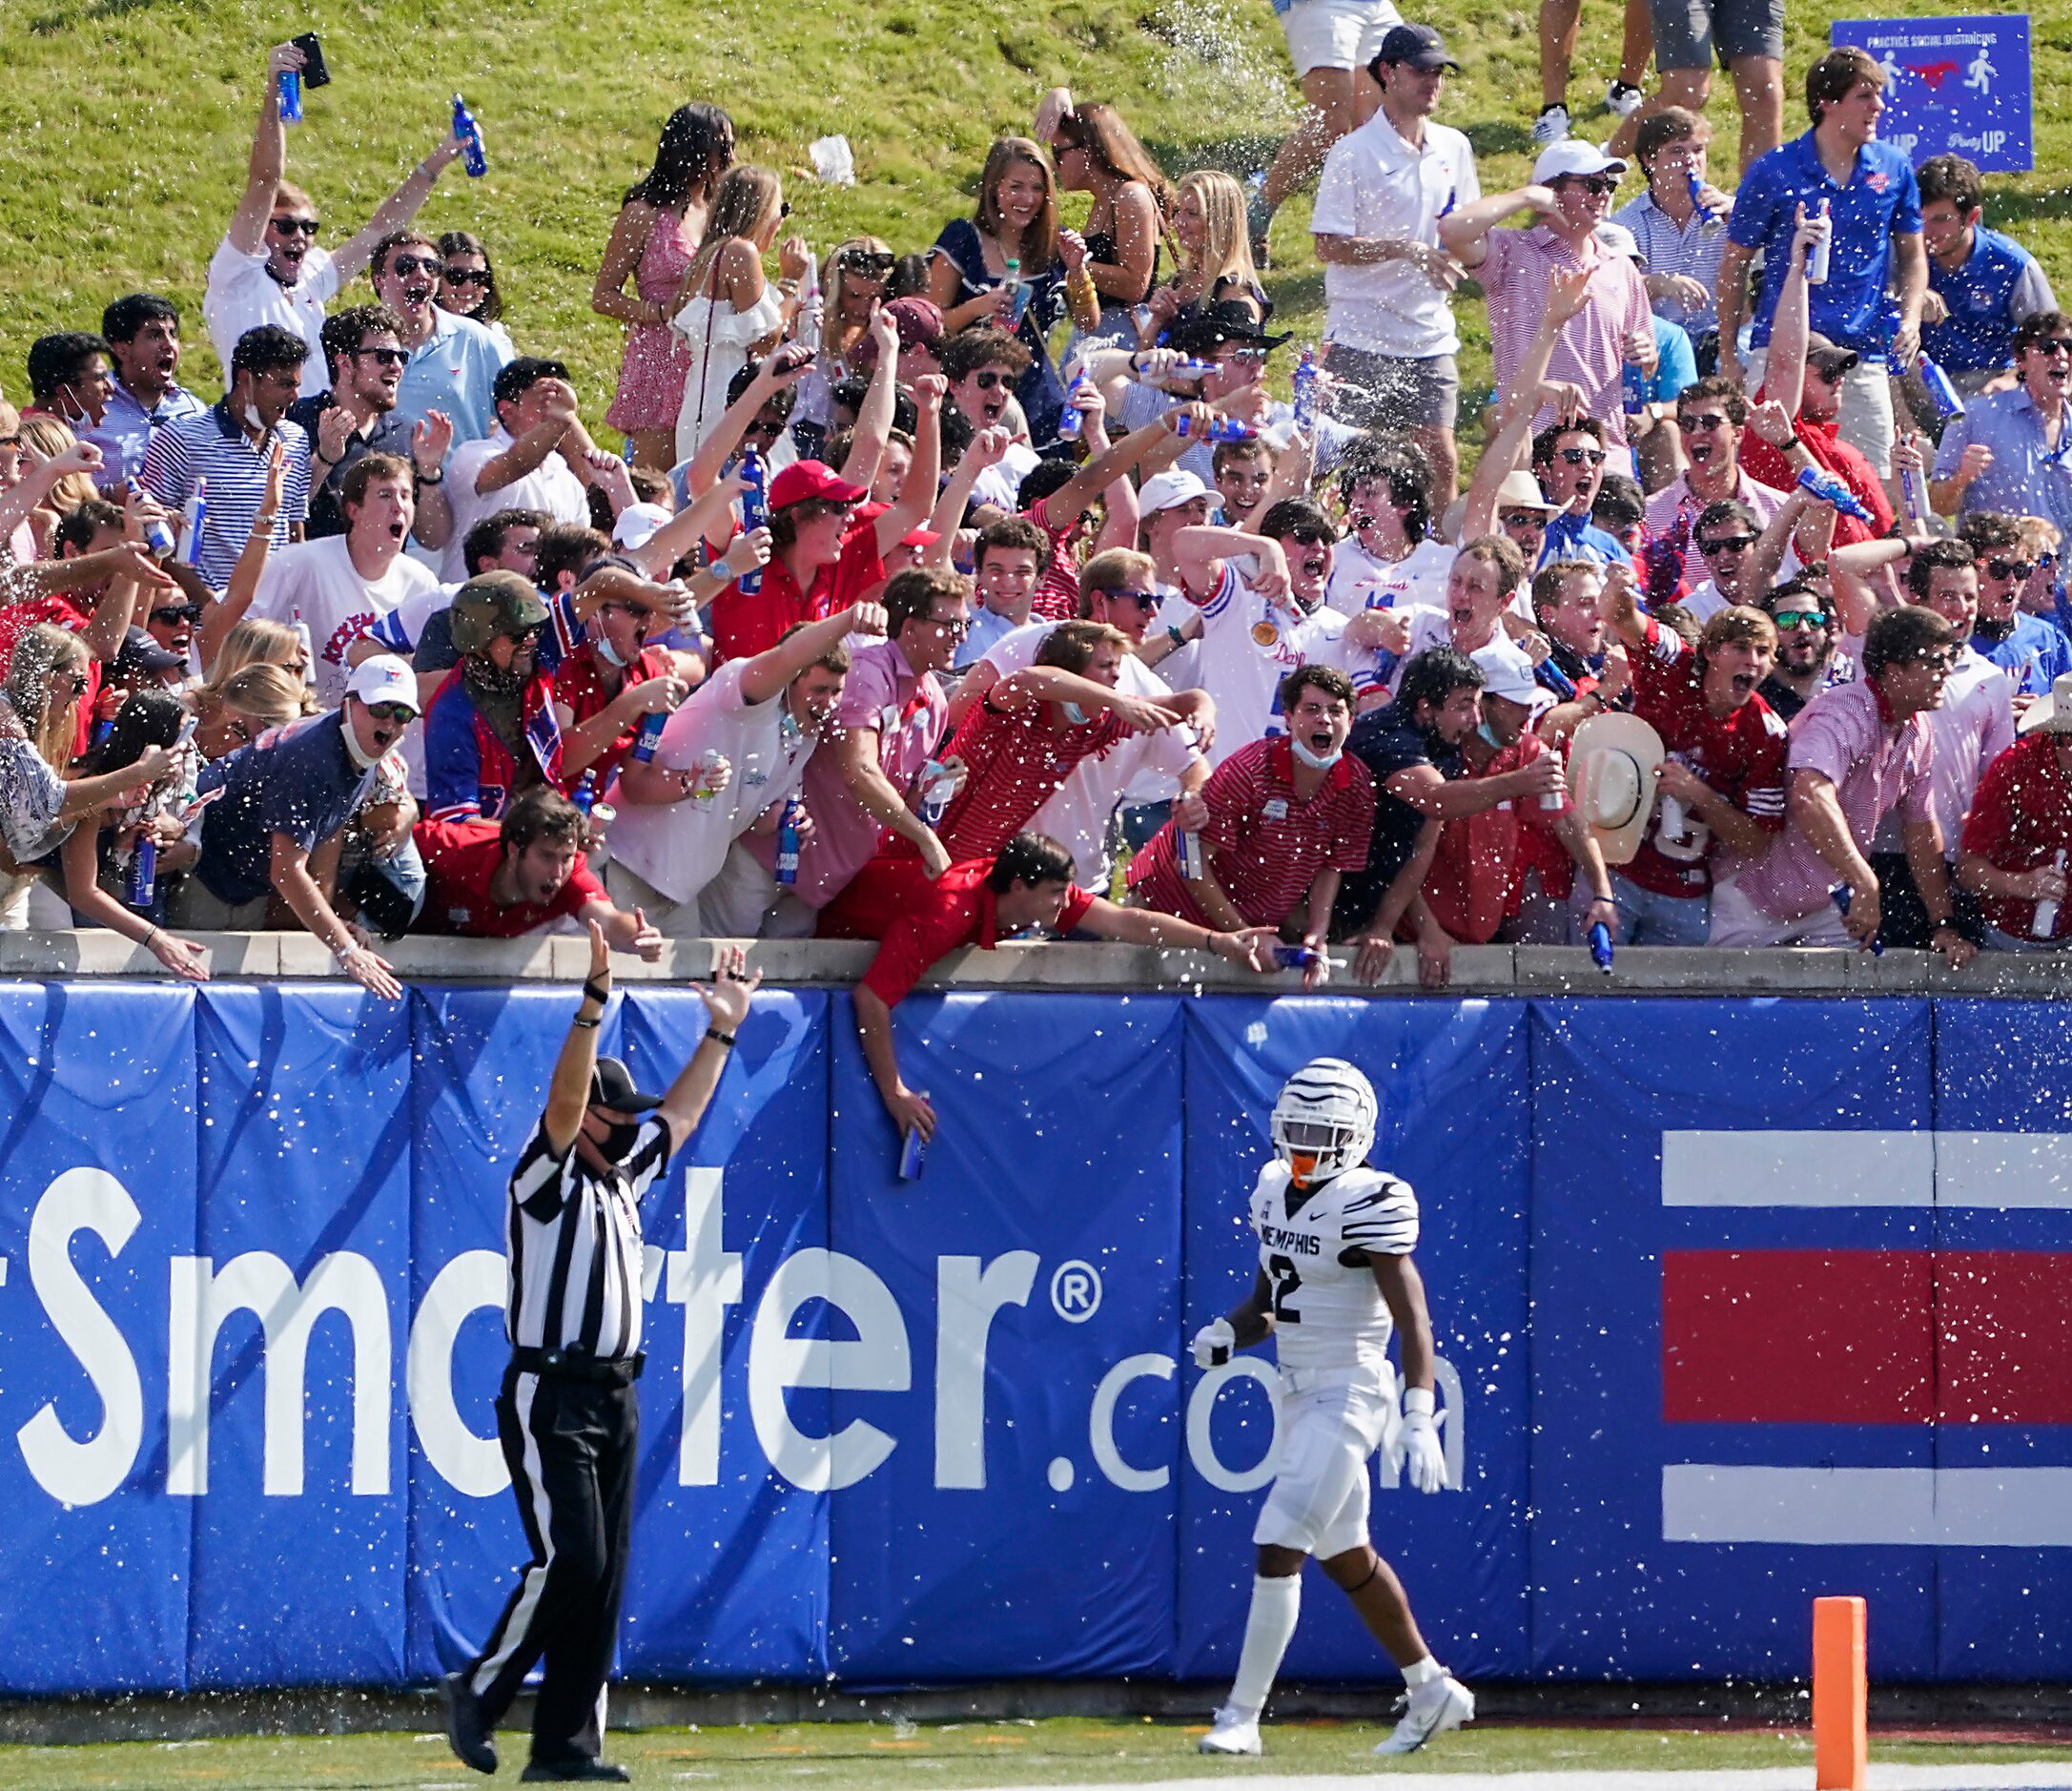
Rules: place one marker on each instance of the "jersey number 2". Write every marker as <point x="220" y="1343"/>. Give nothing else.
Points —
<point x="1286" y="1282"/>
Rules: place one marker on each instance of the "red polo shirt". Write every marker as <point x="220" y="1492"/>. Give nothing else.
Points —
<point x="921" y="921"/>
<point x="2022" y="817"/>
<point x="1057" y="597"/>
<point x="579" y="687"/>
<point x="1270" y="844"/>
<point x="1014" y="762"/>
<point x="1481" y="864"/>
<point x="459" y="858"/>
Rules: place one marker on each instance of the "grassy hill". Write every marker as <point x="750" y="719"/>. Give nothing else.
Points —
<point x="125" y="124"/>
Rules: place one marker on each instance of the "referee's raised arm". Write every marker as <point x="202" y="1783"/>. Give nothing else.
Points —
<point x="568" y="1093"/>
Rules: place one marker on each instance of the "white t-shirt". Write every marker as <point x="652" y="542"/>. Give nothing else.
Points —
<point x="318" y="580"/>
<point x="1359" y="581"/>
<point x="1000" y="484"/>
<point x="241" y="295"/>
<point x="1249" y="644"/>
<point x="551" y="487"/>
<point x="1141" y="768"/>
<point x="1374" y="184"/>
<point x="1434" y="627"/>
<point x="680" y="845"/>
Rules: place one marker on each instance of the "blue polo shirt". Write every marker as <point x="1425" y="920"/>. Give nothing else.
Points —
<point x="1998" y="286"/>
<point x="299" y="780"/>
<point x="2034" y="655"/>
<point x="1573" y="537"/>
<point x="2028" y="477"/>
<point x="1881" y="200"/>
<point x="126" y="429"/>
<point x="453" y="372"/>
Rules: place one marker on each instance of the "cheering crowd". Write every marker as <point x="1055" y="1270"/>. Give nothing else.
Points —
<point x="938" y="596"/>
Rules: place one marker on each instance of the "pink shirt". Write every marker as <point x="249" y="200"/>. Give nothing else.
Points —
<point x="1592" y="352"/>
<point x="909" y="713"/>
<point x="1876" y="765"/>
<point x="1677" y="500"/>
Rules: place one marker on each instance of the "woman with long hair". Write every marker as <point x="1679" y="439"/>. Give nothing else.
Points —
<point x="44" y="439"/>
<point x="1015" y="219"/>
<point x="235" y="707"/>
<point x="1098" y="153"/>
<point x="661" y="222"/>
<point x="854" y="281"/>
<point x="39" y="701"/>
<point x="467" y="283"/>
<point x="727" y="309"/>
<point x="1215" y="250"/>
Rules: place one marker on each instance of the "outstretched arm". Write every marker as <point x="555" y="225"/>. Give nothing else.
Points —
<point x="726" y="1000"/>
<point x="569" y="1089"/>
<point x="394" y="211"/>
<point x="269" y="161"/>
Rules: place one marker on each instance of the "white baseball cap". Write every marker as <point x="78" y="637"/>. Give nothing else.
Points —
<point x="1616" y="239"/>
<point x="1169" y="490"/>
<point x="1573" y="155"/>
<point x="637" y="523"/>
<point x="384" y="679"/>
<point x="2052" y="713"/>
<point x="1506" y="673"/>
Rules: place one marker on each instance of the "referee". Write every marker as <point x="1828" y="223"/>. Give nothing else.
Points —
<point x="566" y="1413"/>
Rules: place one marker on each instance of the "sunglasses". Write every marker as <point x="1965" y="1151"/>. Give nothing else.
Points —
<point x="385" y="357"/>
<point x="297" y="227"/>
<point x="1523" y="518"/>
<point x="870" y="263"/>
<point x="989" y="380"/>
<point x="784" y="208"/>
<point x="166" y="617"/>
<point x="1591" y="183"/>
<point x="407" y="264"/>
<point x="1311" y="536"/>
<point x="1798" y="619"/>
<point x="1728" y="543"/>
<point x="956" y="627"/>
<point x="78" y="681"/>
<point x="2054" y="346"/>
<point x="1575" y="457"/>
<point x="1710" y="420"/>
<point x="1142" y="599"/>
<point x="2009" y="568"/>
<point x="237" y="731"/>
<point x="1935" y="661"/>
<point x="467" y="275"/>
<point x="400" y="715"/>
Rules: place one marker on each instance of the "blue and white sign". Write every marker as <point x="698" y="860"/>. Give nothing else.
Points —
<point x="1952" y="87"/>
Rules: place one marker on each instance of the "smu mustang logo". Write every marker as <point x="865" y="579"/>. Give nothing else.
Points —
<point x="1917" y="1337"/>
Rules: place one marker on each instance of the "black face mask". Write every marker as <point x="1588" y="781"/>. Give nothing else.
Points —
<point x="617" y="1143"/>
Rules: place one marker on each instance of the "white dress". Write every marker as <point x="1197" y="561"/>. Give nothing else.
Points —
<point x="718" y="339"/>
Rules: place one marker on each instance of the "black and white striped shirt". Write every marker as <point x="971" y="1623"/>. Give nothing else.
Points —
<point x="573" y="1250"/>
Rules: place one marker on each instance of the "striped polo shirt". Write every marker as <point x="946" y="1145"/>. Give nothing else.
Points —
<point x="214" y="448"/>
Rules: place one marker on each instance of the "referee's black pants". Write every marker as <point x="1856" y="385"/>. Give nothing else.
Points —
<point x="570" y="1446"/>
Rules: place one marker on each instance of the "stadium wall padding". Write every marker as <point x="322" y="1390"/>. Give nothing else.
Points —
<point x="1737" y="1301"/>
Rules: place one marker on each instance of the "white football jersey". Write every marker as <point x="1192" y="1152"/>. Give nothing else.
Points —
<point x="1328" y="1313"/>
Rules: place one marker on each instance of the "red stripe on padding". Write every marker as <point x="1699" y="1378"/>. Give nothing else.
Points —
<point x="1797" y="1337"/>
<point x="2005" y="1321"/>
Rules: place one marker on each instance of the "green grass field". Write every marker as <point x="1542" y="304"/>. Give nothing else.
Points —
<point x="124" y="126"/>
<point x="941" y="1757"/>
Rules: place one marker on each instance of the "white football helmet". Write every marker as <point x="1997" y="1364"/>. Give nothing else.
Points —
<point x="1323" y="1120"/>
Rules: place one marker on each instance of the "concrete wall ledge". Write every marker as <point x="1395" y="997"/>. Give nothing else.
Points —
<point x="1488" y="970"/>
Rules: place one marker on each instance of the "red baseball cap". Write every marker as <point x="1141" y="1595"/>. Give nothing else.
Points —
<point x="920" y="537"/>
<point x="804" y="480"/>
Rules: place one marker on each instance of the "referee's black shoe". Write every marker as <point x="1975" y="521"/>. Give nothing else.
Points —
<point x="466" y="1733"/>
<point x="575" y="1772"/>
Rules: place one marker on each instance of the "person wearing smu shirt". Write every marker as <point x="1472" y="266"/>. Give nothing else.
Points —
<point x="1723" y="777"/>
<point x="1981" y="284"/>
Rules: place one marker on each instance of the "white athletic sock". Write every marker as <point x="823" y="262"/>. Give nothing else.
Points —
<point x="1268" y="1628"/>
<point x="1425" y="1672"/>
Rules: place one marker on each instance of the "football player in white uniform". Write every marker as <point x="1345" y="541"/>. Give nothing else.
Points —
<point x="1335" y="1278"/>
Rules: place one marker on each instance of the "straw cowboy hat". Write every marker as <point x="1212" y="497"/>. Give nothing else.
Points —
<point x="1613" y="763"/>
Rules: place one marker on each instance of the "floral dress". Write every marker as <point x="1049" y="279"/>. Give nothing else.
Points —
<point x="655" y="366"/>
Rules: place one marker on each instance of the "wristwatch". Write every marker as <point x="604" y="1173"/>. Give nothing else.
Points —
<point x="431" y="479"/>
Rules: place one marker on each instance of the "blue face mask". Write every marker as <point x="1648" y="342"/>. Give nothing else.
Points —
<point x="1316" y="761"/>
<point x="1483" y="728"/>
<point x="1074" y="714"/>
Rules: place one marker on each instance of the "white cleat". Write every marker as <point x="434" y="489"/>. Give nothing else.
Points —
<point x="1231" y="1734"/>
<point x="1443" y="1705"/>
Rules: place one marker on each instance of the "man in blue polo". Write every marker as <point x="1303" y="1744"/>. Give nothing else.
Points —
<point x="1868" y="189"/>
<point x="2012" y="452"/>
<point x="1984" y="284"/>
<point x="142" y="332"/>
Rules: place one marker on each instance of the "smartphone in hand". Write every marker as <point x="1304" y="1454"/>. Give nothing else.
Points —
<point x="314" y="71"/>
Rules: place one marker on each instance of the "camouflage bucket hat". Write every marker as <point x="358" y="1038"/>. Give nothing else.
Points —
<point x="493" y="604"/>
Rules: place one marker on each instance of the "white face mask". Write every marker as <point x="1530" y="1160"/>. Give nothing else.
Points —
<point x="1316" y="761"/>
<point x="252" y="415"/>
<point x="608" y="652"/>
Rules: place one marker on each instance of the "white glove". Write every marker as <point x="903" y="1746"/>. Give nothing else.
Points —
<point x="1416" y="1447"/>
<point x="1213" y="1343"/>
